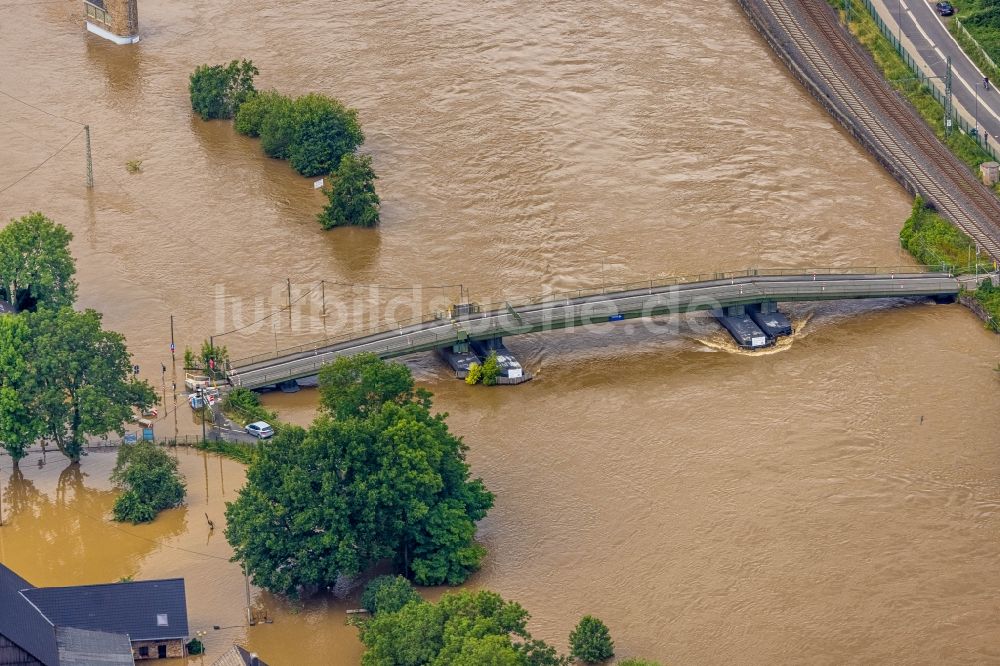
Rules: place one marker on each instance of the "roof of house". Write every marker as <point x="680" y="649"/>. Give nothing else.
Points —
<point x="237" y="656"/>
<point x="145" y="610"/>
<point x="21" y="622"/>
<point x="79" y="647"/>
<point x="5" y="307"/>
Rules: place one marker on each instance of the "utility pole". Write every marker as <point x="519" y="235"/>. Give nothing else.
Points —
<point x="322" y="290"/>
<point x="246" y="579"/>
<point x="90" y="161"/>
<point x="173" y="353"/>
<point x="947" y="93"/>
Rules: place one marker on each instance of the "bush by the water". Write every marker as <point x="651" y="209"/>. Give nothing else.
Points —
<point x="351" y="195"/>
<point x="243" y="406"/>
<point x="487" y="373"/>
<point x="933" y="241"/>
<point x="313" y="132"/>
<point x="591" y="641"/>
<point x="149" y="481"/>
<point x="387" y="594"/>
<point x="989" y="297"/>
<point x="462" y="629"/>
<point x="217" y="91"/>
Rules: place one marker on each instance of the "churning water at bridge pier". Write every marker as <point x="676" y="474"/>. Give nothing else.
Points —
<point x="837" y="501"/>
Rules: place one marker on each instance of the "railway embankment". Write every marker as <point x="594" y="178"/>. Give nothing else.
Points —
<point x="825" y="58"/>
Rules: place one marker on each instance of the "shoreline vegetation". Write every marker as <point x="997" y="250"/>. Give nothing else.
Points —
<point x="935" y="243"/>
<point x="317" y="134"/>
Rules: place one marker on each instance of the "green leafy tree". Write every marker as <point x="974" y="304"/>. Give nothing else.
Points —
<point x="214" y="359"/>
<point x="491" y="369"/>
<point x="387" y="594"/>
<point x="357" y="386"/>
<point x="325" y="131"/>
<point x="277" y="128"/>
<point x="591" y="641"/>
<point x="36" y="267"/>
<point x="475" y="374"/>
<point x="252" y="113"/>
<point x="351" y="195"/>
<point x="384" y="479"/>
<point x="149" y="480"/>
<point x="20" y="425"/>
<point x="243" y="406"/>
<point x="84" y="378"/>
<point x="464" y="628"/>
<point x="217" y="91"/>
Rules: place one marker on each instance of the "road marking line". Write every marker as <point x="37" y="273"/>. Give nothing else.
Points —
<point x="921" y="29"/>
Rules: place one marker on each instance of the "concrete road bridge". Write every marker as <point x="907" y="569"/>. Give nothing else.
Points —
<point x="745" y="303"/>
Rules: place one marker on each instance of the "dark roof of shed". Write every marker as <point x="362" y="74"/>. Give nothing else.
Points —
<point x="5" y="307"/>
<point x="79" y="647"/>
<point x="122" y="608"/>
<point x="21" y="622"/>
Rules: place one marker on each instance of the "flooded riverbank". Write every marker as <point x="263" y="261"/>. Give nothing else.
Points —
<point x="835" y="501"/>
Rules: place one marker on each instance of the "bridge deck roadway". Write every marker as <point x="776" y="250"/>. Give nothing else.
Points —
<point x="588" y="310"/>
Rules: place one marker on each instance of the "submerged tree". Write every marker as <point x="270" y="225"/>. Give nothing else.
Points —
<point x="351" y="195"/>
<point x="590" y="641"/>
<point x="36" y="267"/>
<point x="217" y="91"/>
<point x="376" y="477"/>
<point x="462" y="629"/>
<point x="149" y="480"/>
<point x="325" y="132"/>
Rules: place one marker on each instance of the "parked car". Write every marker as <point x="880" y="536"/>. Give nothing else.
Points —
<point x="945" y="8"/>
<point x="260" y="430"/>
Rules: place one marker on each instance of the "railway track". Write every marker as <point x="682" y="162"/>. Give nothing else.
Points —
<point x="948" y="181"/>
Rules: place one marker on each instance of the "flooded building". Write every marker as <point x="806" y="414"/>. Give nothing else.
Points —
<point x="114" y="623"/>
<point x="114" y="20"/>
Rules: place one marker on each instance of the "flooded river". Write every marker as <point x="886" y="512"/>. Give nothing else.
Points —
<point x="834" y="501"/>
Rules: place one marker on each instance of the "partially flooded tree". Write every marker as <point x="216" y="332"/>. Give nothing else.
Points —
<point x="217" y="91"/>
<point x="84" y="378"/>
<point x="351" y="195"/>
<point x="149" y="481"/>
<point x="36" y="267"/>
<point x="20" y="425"/>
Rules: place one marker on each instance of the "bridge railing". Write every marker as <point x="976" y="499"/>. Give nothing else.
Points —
<point x="673" y="281"/>
<point x="539" y="299"/>
<point x="312" y="345"/>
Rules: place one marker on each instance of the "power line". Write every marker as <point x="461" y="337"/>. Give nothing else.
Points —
<point x="18" y="99"/>
<point x="42" y="163"/>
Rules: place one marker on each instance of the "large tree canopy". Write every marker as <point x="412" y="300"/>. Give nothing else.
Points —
<point x="83" y="380"/>
<point x="382" y="479"/>
<point x="217" y="91"/>
<point x="20" y="426"/>
<point x="36" y="267"/>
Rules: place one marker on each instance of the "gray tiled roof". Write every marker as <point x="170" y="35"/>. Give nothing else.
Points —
<point x="5" y="307"/>
<point x="237" y="656"/>
<point x="122" y="608"/>
<point x="22" y="624"/>
<point x="79" y="647"/>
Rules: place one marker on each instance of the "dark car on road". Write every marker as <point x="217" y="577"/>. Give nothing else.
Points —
<point x="945" y="8"/>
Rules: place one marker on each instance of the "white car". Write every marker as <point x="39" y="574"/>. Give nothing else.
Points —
<point x="260" y="430"/>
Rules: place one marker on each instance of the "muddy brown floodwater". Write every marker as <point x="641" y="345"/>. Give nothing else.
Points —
<point x="836" y="500"/>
